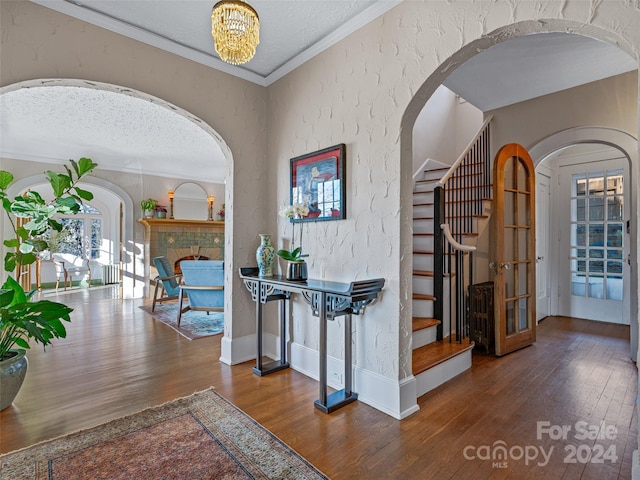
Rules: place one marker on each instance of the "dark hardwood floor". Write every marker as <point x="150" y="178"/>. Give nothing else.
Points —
<point x="117" y="360"/>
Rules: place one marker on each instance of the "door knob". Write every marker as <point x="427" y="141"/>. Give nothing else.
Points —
<point x="505" y="266"/>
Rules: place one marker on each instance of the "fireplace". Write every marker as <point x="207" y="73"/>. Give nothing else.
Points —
<point x="181" y="239"/>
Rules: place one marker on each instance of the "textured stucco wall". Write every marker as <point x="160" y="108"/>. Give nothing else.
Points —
<point x="40" y="43"/>
<point x="367" y="91"/>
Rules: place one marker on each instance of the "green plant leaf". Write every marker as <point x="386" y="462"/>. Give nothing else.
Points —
<point x="84" y="194"/>
<point x="11" y="243"/>
<point x="85" y="166"/>
<point x="18" y="293"/>
<point x="10" y="262"/>
<point x="21" y="342"/>
<point x="5" y="179"/>
<point x="6" y="296"/>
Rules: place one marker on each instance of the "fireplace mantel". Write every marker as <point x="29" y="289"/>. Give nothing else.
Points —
<point x="150" y="222"/>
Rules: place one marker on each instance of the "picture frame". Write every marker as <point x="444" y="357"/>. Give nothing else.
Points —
<point x="317" y="180"/>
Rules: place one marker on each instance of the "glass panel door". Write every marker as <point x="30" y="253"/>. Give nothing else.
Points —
<point x="514" y="249"/>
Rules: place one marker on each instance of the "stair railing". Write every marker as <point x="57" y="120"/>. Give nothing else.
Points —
<point x="458" y="197"/>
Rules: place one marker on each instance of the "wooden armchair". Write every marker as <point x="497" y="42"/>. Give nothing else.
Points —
<point x="166" y="282"/>
<point x="203" y="282"/>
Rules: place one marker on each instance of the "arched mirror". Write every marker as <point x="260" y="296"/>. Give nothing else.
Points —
<point x="190" y="202"/>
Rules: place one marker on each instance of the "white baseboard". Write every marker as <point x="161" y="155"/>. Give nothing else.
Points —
<point x="395" y="398"/>
<point x="243" y="349"/>
<point x="635" y="466"/>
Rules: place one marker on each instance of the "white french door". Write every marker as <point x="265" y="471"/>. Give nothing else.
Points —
<point x="594" y="241"/>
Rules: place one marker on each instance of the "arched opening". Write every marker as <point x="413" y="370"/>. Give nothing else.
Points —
<point x="595" y="150"/>
<point x="427" y="91"/>
<point x="134" y="137"/>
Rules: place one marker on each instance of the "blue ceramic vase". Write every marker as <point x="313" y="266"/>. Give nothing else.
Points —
<point x="265" y="256"/>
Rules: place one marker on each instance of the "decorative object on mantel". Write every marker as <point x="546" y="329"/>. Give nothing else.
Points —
<point x="171" y="195"/>
<point x="296" y="266"/>
<point x="265" y="256"/>
<point x="235" y="28"/>
<point x="161" y="211"/>
<point x="148" y="207"/>
<point x="220" y="214"/>
<point x="318" y="181"/>
<point x="210" y="200"/>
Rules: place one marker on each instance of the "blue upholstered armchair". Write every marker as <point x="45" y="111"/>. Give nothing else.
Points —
<point x="166" y="282"/>
<point x="203" y="282"/>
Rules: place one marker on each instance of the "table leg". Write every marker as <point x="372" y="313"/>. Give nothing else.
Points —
<point x="348" y="361"/>
<point x="258" y="368"/>
<point x="270" y="367"/>
<point x="330" y="403"/>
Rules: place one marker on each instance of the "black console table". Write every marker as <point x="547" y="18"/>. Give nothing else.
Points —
<point x="328" y="300"/>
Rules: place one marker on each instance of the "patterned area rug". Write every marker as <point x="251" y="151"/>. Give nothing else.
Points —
<point x="193" y="324"/>
<point x="198" y="437"/>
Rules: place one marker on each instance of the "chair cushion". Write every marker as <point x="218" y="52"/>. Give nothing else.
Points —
<point x="165" y="270"/>
<point x="204" y="273"/>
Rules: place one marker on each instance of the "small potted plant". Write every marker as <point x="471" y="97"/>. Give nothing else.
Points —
<point x="220" y="214"/>
<point x="161" y="211"/>
<point x="149" y="207"/>
<point x="296" y="266"/>
<point x="21" y="319"/>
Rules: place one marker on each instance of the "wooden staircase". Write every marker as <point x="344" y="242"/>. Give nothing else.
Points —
<point x="434" y="360"/>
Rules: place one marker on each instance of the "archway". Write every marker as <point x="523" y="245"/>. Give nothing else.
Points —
<point x="627" y="145"/>
<point x="424" y="94"/>
<point x="128" y="190"/>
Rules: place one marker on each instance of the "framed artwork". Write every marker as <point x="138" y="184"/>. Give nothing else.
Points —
<point x="318" y="181"/>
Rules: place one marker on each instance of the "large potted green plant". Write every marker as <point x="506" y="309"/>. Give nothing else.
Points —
<point x="21" y="319"/>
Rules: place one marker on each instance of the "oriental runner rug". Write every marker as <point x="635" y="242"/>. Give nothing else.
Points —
<point x="193" y="324"/>
<point x="202" y="436"/>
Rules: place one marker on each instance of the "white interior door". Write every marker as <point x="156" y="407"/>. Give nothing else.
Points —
<point x="594" y="240"/>
<point x="543" y="230"/>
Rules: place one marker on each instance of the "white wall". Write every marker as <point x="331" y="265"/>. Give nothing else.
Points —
<point x="444" y="128"/>
<point x="611" y="102"/>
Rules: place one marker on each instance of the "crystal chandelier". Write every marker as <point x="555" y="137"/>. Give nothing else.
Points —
<point x="235" y="28"/>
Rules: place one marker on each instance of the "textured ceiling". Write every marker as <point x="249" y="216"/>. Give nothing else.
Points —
<point x="126" y="133"/>
<point x="291" y="31"/>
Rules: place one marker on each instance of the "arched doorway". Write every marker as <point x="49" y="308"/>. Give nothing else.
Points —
<point x="438" y="77"/>
<point x="128" y="175"/>
<point x="580" y="150"/>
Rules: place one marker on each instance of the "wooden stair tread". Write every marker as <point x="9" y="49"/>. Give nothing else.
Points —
<point x="423" y="273"/>
<point x="420" y="323"/>
<point x="435" y="353"/>
<point x="423" y="252"/>
<point x="423" y="218"/>
<point x="441" y="169"/>
<point x="422" y="234"/>
<point x="423" y="296"/>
